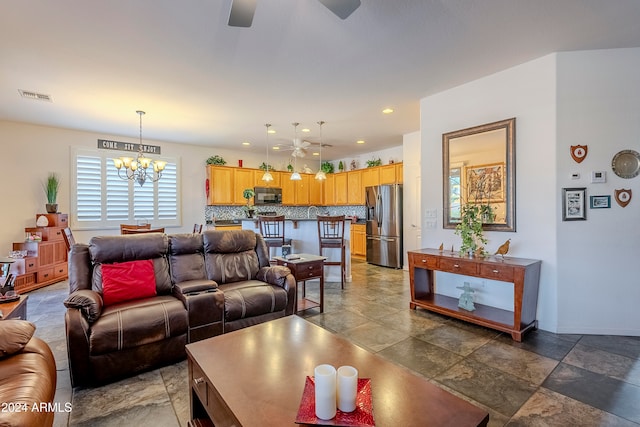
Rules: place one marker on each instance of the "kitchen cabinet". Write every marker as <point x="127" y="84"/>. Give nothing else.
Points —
<point x="329" y="193"/>
<point x="295" y="193"/>
<point x="220" y="185"/>
<point x="355" y="195"/>
<point x="358" y="240"/>
<point x="258" y="182"/>
<point x="371" y="177"/>
<point x="388" y="174"/>
<point x="341" y="193"/>
<point x="316" y="188"/>
<point x="242" y="179"/>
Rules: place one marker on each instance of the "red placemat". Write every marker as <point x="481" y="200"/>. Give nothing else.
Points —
<point x="362" y="416"/>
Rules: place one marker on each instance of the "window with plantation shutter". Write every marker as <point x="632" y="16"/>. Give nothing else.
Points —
<point x="104" y="200"/>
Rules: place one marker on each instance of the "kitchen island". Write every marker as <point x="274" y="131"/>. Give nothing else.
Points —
<point x="303" y="233"/>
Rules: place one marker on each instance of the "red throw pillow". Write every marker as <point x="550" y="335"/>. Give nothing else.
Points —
<point x="126" y="281"/>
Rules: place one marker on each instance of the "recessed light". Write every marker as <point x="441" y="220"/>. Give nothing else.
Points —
<point x="360" y="141"/>
<point x="276" y="148"/>
<point x="316" y="154"/>
<point x="271" y="131"/>
<point x="387" y="111"/>
<point x="246" y="143"/>
<point x="306" y="130"/>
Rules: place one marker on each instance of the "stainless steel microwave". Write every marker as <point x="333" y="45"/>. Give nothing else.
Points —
<point x="267" y="196"/>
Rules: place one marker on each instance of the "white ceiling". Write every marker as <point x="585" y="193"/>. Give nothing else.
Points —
<point x="203" y="82"/>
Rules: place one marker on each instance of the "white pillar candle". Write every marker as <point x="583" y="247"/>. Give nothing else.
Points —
<point x="347" y="388"/>
<point x="325" y="388"/>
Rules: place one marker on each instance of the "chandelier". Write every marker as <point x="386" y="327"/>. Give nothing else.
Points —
<point x="321" y="175"/>
<point x="267" y="175"/>
<point x="139" y="169"/>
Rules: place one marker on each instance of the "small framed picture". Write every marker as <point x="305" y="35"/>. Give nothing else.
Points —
<point x="574" y="204"/>
<point x="599" y="202"/>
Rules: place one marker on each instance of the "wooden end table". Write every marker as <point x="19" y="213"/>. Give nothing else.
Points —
<point x="305" y="268"/>
<point x="15" y="310"/>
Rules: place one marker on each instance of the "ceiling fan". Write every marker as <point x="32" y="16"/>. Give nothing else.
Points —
<point x="242" y="10"/>
<point x="299" y="146"/>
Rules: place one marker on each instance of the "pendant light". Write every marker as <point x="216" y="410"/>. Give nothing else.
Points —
<point x="267" y="177"/>
<point x="321" y="175"/>
<point x="295" y="176"/>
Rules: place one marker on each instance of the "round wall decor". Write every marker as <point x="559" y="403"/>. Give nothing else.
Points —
<point x="626" y="164"/>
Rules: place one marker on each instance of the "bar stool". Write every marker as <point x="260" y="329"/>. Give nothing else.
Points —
<point x="272" y="229"/>
<point x="331" y="235"/>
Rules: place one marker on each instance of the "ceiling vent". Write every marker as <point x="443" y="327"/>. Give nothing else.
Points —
<point x="34" y="95"/>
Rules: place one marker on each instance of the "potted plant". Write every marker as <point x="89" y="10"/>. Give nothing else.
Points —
<point x="51" y="187"/>
<point x="341" y="166"/>
<point x="248" y="193"/>
<point x="327" y="167"/>
<point x="472" y="216"/>
<point x="216" y="160"/>
<point x="374" y="162"/>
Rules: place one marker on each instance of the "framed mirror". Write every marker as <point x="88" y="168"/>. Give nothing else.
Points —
<point x="478" y="166"/>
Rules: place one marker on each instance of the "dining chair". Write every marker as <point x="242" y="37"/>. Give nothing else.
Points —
<point x="142" y="230"/>
<point x="69" y="240"/>
<point x="272" y="230"/>
<point x="331" y="235"/>
<point x="134" y="227"/>
<point x="197" y="228"/>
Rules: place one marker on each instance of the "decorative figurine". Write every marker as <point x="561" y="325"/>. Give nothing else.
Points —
<point x="441" y="247"/>
<point x="504" y="248"/>
<point x="466" y="298"/>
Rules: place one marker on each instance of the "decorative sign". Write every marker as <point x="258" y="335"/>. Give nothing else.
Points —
<point x="106" y="144"/>
<point x="579" y="152"/>
<point x="623" y="197"/>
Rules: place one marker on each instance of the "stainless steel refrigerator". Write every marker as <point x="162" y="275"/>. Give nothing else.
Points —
<point x="384" y="225"/>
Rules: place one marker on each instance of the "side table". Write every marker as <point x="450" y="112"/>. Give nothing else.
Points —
<point x="15" y="309"/>
<point x="304" y="268"/>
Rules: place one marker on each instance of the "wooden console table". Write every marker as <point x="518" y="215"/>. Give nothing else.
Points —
<point x="523" y="273"/>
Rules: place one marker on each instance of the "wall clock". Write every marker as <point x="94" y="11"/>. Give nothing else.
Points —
<point x="626" y="164"/>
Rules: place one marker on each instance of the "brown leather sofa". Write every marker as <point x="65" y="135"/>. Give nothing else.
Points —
<point x="205" y="284"/>
<point x="27" y="375"/>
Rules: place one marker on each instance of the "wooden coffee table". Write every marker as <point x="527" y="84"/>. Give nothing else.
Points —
<point x="256" y="376"/>
<point x="16" y="309"/>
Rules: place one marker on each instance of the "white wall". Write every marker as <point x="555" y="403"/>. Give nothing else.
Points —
<point x="590" y="268"/>
<point x="526" y="92"/>
<point x="30" y="152"/>
<point x="598" y="259"/>
<point x="411" y="193"/>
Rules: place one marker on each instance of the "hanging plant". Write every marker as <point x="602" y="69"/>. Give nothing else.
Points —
<point x="216" y="160"/>
<point x="327" y="167"/>
<point x="472" y="216"/>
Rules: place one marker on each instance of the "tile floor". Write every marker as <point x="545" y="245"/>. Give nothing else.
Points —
<point x="547" y="380"/>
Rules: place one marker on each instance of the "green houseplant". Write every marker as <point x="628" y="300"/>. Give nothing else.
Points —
<point x="472" y="216"/>
<point x="248" y="193"/>
<point x="327" y="167"/>
<point x="216" y="160"/>
<point x="341" y="166"/>
<point x="51" y="187"/>
<point x="374" y="162"/>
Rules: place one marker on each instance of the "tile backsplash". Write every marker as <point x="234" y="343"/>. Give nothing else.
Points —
<point x="235" y="212"/>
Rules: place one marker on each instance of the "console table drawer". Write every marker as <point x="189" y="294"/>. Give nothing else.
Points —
<point x="424" y="261"/>
<point x="458" y="266"/>
<point x="497" y="272"/>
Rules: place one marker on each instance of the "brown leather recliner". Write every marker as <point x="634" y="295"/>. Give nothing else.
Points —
<point x="206" y="284"/>
<point x="28" y="377"/>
